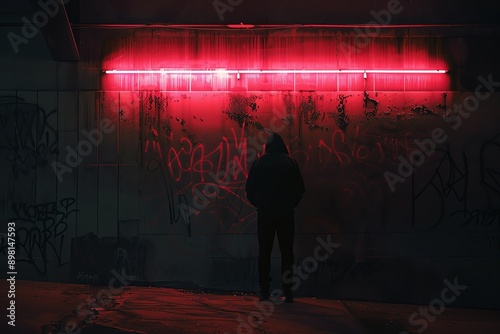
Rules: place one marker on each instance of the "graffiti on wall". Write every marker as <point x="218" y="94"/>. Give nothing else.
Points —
<point x="27" y="133"/>
<point x="340" y="138"/>
<point x="41" y="232"/>
<point x="447" y="188"/>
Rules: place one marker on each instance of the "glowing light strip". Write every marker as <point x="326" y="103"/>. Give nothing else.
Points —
<point x="223" y="71"/>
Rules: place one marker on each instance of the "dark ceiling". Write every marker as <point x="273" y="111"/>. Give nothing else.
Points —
<point x="286" y="12"/>
<point x="57" y="38"/>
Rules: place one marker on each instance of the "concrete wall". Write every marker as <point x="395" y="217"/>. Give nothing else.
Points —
<point x="146" y="195"/>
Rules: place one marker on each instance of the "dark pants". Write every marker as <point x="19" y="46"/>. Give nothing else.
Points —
<point x="270" y="224"/>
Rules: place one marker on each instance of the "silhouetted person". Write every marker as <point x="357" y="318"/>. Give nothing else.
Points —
<point x="275" y="187"/>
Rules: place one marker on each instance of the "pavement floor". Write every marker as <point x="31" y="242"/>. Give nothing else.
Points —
<point x="50" y="308"/>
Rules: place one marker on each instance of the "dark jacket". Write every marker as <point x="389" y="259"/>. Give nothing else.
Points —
<point x="275" y="183"/>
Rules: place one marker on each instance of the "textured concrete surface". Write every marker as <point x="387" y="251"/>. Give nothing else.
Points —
<point x="67" y="308"/>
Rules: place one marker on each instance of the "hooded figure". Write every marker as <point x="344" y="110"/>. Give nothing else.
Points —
<point x="275" y="186"/>
<point x="274" y="183"/>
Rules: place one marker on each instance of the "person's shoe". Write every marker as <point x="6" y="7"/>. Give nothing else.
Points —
<point x="288" y="297"/>
<point x="264" y="295"/>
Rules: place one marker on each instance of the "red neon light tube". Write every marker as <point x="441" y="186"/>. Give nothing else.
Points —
<point x="224" y="71"/>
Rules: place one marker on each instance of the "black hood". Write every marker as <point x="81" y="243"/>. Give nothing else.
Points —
<point x="275" y="144"/>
